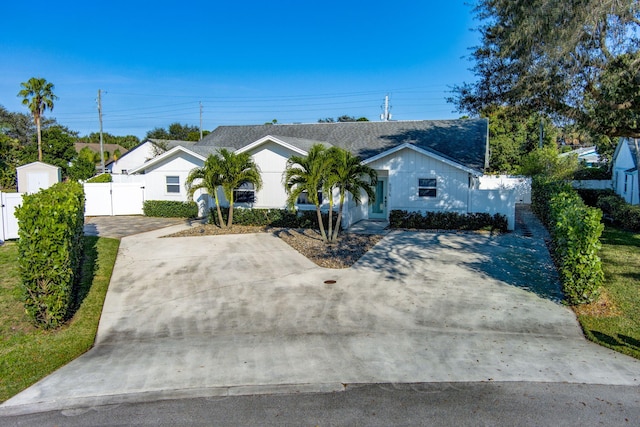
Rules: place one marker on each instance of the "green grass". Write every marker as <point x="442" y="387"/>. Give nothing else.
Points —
<point x="28" y="354"/>
<point x="614" y="321"/>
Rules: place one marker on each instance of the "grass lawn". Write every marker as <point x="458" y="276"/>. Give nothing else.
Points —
<point x="28" y="354"/>
<point x="614" y="321"/>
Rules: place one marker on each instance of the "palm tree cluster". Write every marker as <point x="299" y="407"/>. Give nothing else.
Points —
<point x="228" y="170"/>
<point x="324" y="171"/>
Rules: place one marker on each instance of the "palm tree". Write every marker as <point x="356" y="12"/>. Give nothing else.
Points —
<point x="348" y="174"/>
<point x="237" y="169"/>
<point x="38" y="96"/>
<point x="308" y="175"/>
<point x="208" y="178"/>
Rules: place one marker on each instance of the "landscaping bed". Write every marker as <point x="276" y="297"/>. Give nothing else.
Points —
<point x="342" y="254"/>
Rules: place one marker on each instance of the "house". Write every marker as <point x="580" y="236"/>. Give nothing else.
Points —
<point x="587" y="156"/>
<point x="141" y="153"/>
<point x="421" y="165"/>
<point x="35" y="176"/>
<point x="625" y="170"/>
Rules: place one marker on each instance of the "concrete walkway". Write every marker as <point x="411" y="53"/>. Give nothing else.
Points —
<point x="118" y="227"/>
<point x="245" y="314"/>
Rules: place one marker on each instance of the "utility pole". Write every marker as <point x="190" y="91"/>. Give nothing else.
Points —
<point x="104" y="170"/>
<point x="200" y="120"/>
<point x="386" y="115"/>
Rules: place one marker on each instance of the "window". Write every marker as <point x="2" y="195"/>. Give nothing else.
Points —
<point x="303" y="199"/>
<point x="173" y="184"/>
<point x="427" y="187"/>
<point x="244" y="194"/>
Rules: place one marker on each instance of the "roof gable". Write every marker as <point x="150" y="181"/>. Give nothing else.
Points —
<point x="166" y="155"/>
<point x="462" y="141"/>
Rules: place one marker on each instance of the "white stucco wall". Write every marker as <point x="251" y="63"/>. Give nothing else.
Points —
<point x="406" y="166"/>
<point x="271" y="158"/>
<point x="155" y="177"/>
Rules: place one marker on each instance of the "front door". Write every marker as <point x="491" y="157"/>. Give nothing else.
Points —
<point x="378" y="209"/>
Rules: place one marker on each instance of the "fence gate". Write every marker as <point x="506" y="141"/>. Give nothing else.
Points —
<point x="113" y="198"/>
<point x="8" y="221"/>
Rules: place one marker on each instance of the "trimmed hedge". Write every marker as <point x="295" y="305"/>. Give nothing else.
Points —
<point x="170" y="209"/>
<point x="49" y="250"/>
<point x="447" y="221"/>
<point x="575" y="231"/>
<point x="614" y="207"/>
<point x="271" y="217"/>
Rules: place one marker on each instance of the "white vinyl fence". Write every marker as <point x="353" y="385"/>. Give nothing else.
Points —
<point x="8" y="221"/>
<point x="113" y="198"/>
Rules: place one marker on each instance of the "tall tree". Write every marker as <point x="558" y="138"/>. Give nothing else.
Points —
<point x="349" y="175"/>
<point x="574" y="60"/>
<point x="38" y="96"/>
<point x="209" y="178"/>
<point x="237" y="169"/>
<point x="307" y="174"/>
<point x="176" y="131"/>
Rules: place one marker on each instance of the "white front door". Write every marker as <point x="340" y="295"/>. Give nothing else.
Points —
<point x="378" y="209"/>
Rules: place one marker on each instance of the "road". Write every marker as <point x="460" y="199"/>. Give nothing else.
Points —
<point x="440" y="404"/>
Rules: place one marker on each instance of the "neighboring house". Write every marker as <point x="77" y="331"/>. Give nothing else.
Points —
<point x="625" y="170"/>
<point x="35" y="176"/>
<point x="587" y="156"/>
<point x="141" y="153"/>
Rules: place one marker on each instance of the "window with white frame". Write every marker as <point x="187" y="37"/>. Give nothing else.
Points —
<point x="173" y="184"/>
<point x="427" y="187"/>
<point x="246" y="193"/>
<point x="303" y="198"/>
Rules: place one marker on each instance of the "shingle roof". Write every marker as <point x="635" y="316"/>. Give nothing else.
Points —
<point x="463" y="141"/>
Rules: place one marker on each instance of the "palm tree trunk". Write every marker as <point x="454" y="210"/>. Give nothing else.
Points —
<point x="39" y="139"/>
<point x="230" y="219"/>
<point x="320" y="223"/>
<point x="330" y="234"/>
<point x="339" y="220"/>
<point x="220" y="220"/>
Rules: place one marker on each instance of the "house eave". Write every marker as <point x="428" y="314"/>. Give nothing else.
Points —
<point x="163" y="156"/>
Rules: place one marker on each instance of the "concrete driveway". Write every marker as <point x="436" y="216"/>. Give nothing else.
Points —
<point x="244" y="314"/>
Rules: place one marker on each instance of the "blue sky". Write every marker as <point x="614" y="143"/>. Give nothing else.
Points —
<point x="247" y="62"/>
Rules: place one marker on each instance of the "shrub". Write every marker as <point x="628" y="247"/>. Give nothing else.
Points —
<point x="103" y="177"/>
<point x="599" y="173"/>
<point x="575" y="231"/>
<point x="447" y="221"/>
<point x="49" y="251"/>
<point x="271" y="217"/>
<point x="622" y="213"/>
<point x="170" y="209"/>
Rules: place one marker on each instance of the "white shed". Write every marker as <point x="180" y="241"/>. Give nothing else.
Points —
<point x="35" y="176"/>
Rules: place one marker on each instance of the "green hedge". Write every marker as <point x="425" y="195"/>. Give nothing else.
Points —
<point x="170" y="209"/>
<point x="49" y="251"/>
<point x="271" y="217"/>
<point x="575" y="231"/>
<point x="623" y="214"/>
<point x="447" y="221"/>
<point x="103" y="177"/>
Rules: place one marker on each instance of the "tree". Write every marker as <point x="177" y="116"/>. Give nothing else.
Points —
<point x="512" y="136"/>
<point x="237" y="169"/>
<point x="8" y="161"/>
<point x="349" y="175"/>
<point x="82" y="168"/>
<point x="207" y="177"/>
<point x="128" y="141"/>
<point x="573" y="60"/>
<point x="342" y="119"/>
<point x="176" y="131"/>
<point x="546" y="161"/>
<point x="57" y="148"/>
<point x="38" y="96"/>
<point x="307" y="174"/>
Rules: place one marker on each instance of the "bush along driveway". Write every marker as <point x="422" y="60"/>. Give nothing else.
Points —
<point x="245" y="314"/>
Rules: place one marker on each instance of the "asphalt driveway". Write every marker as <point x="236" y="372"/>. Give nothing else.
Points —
<point x="244" y="314"/>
